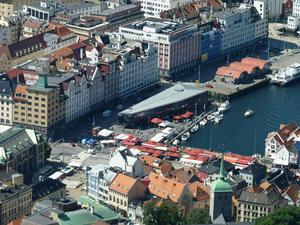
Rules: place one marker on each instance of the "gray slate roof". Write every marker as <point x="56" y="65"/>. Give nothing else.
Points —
<point x="174" y="94"/>
<point x="263" y="198"/>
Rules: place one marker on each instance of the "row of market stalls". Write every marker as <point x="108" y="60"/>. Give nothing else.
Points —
<point x="164" y="123"/>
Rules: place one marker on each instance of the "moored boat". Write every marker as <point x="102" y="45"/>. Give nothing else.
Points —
<point x="249" y="113"/>
<point x="185" y="136"/>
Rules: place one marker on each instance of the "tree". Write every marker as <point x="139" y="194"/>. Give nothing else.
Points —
<point x="165" y="214"/>
<point x="197" y="216"/>
<point x="47" y="150"/>
<point x="287" y="215"/>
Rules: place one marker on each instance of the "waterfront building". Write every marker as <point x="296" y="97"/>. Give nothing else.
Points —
<point x="15" y="197"/>
<point x="294" y="19"/>
<point x="280" y="146"/>
<point x="152" y="8"/>
<point x="253" y="174"/>
<point x="21" y="150"/>
<point x="170" y="39"/>
<point x="123" y="190"/>
<point x="253" y="205"/>
<point x="221" y="197"/>
<point x="125" y="160"/>
<point x="174" y="100"/>
<point x="246" y="23"/>
<point x="98" y="179"/>
<point x="137" y="66"/>
<point x="77" y="96"/>
<point x="274" y="8"/>
<point x="232" y="75"/>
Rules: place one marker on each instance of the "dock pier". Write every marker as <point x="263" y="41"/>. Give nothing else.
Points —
<point x="189" y="127"/>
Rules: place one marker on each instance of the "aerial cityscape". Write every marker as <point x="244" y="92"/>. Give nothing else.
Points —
<point x="149" y="112"/>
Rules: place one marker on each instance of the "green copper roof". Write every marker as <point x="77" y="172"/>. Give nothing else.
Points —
<point x="221" y="185"/>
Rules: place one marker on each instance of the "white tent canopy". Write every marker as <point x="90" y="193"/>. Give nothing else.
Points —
<point x="56" y="175"/>
<point x="105" y="133"/>
<point x="164" y="123"/>
<point x="121" y="137"/>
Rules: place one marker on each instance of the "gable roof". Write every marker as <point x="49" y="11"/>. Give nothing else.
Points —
<point x="243" y="67"/>
<point x="165" y="188"/>
<point x="264" y="198"/>
<point x="122" y="183"/>
<point x="255" y="62"/>
<point x="229" y="72"/>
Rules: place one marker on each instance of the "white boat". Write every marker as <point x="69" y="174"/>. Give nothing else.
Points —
<point x="176" y="142"/>
<point x="249" y="113"/>
<point x="218" y="118"/>
<point x="195" y="128"/>
<point x="224" y="106"/>
<point x="185" y="136"/>
<point x="286" y="75"/>
<point x="203" y="122"/>
<point x="210" y="117"/>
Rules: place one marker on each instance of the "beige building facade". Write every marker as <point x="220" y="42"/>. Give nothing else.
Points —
<point x="39" y="106"/>
<point x="123" y="190"/>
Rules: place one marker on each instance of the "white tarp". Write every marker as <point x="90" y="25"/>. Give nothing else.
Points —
<point x="168" y="130"/>
<point x="164" y="123"/>
<point x="121" y="137"/>
<point x="158" y="137"/>
<point x="108" y="142"/>
<point x="56" y="175"/>
<point x="105" y="133"/>
<point x="75" y="164"/>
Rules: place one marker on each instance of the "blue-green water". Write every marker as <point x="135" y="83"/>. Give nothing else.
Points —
<point x="273" y="105"/>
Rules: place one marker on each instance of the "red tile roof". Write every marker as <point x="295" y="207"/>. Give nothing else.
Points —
<point x="122" y="183"/>
<point x="229" y="72"/>
<point x="165" y="188"/>
<point x="14" y="73"/>
<point x="243" y="67"/>
<point x="255" y="62"/>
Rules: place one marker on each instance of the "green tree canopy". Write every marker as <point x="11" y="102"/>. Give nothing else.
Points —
<point x="288" y="215"/>
<point x="198" y="216"/>
<point x="165" y="214"/>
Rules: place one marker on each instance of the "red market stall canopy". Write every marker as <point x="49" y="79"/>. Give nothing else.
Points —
<point x="156" y="121"/>
<point x="178" y="118"/>
<point x="187" y="115"/>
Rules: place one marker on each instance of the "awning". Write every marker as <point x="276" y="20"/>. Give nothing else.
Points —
<point x="156" y="121"/>
<point x="75" y="164"/>
<point x="108" y="142"/>
<point x="56" y="175"/>
<point x="105" y="133"/>
<point x="177" y="117"/>
<point x="186" y="115"/>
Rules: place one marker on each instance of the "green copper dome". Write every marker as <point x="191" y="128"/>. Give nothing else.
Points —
<point x="221" y="185"/>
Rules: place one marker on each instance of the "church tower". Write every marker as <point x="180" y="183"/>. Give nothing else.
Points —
<point x="221" y="196"/>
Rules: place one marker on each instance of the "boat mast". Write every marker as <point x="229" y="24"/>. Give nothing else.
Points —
<point x="254" y="147"/>
<point x="210" y="141"/>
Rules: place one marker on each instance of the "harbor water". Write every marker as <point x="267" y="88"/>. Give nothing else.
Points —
<point x="273" y="105"/>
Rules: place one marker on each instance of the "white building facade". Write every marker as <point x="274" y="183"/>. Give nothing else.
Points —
<point x="6" y="101"/>
<point x="245" y="23"/>
<point x="293" y="22"/>
<point x="153" y="8"/>
<point x="138" y="71"/>
<point x="77" y="103"/>
<point x="124" y="160"/>
<point x="280" y="146"/>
